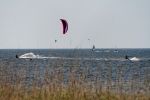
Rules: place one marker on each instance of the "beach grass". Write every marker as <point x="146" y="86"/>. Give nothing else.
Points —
<point x="73" y="91"/>
<point x="54" y="85"/>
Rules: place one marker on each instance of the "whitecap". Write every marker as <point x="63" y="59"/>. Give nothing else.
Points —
<point x="29" y="55"/>
<point x="134" y="59"/>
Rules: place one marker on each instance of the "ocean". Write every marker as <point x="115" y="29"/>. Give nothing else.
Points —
<point x="99" y="66"/>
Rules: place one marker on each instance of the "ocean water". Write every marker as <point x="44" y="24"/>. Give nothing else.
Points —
<point x="99" y="66"/>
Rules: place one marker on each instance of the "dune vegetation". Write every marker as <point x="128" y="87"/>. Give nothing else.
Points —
<point x="57" y="84"/>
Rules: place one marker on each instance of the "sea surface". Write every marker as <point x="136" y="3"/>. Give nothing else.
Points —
<point x="98" y="66"/>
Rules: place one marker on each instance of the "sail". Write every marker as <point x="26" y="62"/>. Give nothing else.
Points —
<point x="65" y="26"/>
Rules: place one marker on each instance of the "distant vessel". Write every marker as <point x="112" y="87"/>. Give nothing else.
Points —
<point x="115" y="50"/>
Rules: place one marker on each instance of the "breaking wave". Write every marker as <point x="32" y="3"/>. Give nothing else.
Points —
<point x="29" y="55"/>
<point x="134" y="59"/>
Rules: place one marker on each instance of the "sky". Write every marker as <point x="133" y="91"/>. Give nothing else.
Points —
<point x="103" y="23"/>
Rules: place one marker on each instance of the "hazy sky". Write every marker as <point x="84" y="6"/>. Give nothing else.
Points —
<point x="105" y="23"/>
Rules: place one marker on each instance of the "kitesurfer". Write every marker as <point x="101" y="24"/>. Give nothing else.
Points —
<point x="55" y="41"/>
<point x="93" y="48"/>
<point x="17" y="56"/>
<point x="126" y="57"/>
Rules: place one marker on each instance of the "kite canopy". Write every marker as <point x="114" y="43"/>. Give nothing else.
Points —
<point x="65" y="26"/>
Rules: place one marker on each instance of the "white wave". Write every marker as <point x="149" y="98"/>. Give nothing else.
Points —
<point x="29" y="55"/>
<point x="134" y="59"/>
<point x="107" y="51"/>
<point x="98" y="51"/>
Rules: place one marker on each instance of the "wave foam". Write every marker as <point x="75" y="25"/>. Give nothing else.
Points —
<point x="33" y="56"/>
<point x="134" y="59"/>
<point x="29" y="55"/>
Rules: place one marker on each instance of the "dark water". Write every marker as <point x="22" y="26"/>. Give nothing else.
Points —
<point x="101" y="65"/>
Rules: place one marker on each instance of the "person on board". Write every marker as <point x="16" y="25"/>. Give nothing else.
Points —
<point x="126" y="57"/>
<point x="17" y="56"/>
